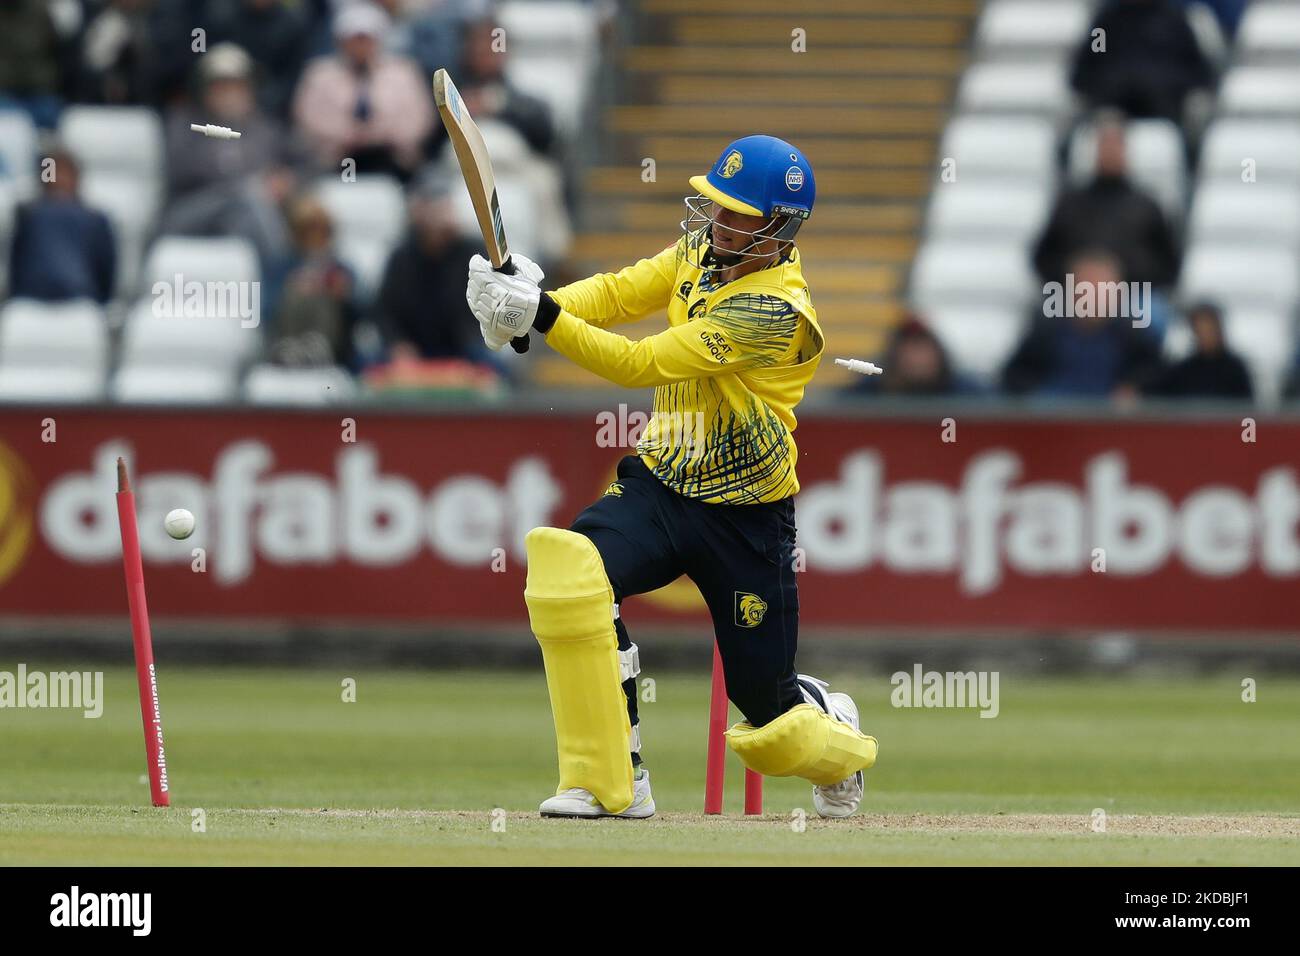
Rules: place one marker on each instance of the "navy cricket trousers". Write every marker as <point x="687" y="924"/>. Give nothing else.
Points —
<point x="739" y="556"/>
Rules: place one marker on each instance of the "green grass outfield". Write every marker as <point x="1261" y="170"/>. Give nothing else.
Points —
<point x="285" y="772"/>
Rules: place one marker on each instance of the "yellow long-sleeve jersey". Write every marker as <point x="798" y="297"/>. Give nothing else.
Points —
<point x="728" y="371"/>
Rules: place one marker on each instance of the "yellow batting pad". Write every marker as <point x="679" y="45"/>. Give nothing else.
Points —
<point x="804" y="742"/>
<point x="571" y="609"/>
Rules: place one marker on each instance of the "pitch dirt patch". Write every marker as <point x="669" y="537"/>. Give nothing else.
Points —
<point x="1168" y="825"/>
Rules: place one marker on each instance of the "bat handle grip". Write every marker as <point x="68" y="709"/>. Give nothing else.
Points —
<point x="519" y="343"/>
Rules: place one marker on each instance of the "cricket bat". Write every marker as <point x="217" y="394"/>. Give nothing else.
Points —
<point x="476" y="168"/>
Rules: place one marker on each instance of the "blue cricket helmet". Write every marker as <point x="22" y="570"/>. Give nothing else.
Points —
<point x="761" y="176"/>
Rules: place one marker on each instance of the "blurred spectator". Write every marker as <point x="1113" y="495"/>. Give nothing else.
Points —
<point x="1088" y="353"/>
<point x="489" y="95"/>
<point x="136" y="52"/>
<point x="228" y="186"/>
<point x="29" y="61"/>
<point x="1150" y="61"/>
<point x="62" y="249"/>
<point x="1110" y="213"/>
<point x="1211" y="371"/>
<point x="430" y="31"/>
<point x="275" y="33"/>
<point x="313" y="299"/>
<point x="421" y="306"/>
<point x="363" y="103"/>
<point x="916" y="366"/>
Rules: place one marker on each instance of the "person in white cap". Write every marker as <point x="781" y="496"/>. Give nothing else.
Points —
<point x="362" y="103"/>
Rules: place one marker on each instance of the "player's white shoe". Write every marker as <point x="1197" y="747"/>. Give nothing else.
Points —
<point x="839" y="799"/>
<point x="577" y="802"/>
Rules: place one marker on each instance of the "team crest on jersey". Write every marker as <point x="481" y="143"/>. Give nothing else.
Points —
<point x="750" y="609"/>
<point x="732" y="164"/>
<point x="696" y="310"/>
<point x="684" y="292"/>
<point x="615" y="488"/>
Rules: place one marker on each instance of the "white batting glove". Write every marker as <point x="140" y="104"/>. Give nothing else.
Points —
<point x="505" y="305"/>
<point x="524" y="267"/>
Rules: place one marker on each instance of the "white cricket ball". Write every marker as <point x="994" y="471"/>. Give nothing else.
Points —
<point x="179" y="523"/>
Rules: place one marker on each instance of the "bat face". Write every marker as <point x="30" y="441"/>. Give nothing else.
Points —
<point x="475" y="165"/>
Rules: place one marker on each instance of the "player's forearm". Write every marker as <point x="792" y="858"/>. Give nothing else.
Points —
<point x="614" y="297"/>
<point x="613" y="357"/>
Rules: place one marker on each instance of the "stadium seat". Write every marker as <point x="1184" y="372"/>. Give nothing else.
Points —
<point x="1269" y="28"/>
<point x="1021" y="27"/>
<point x="153" y="385"/>
<point x="373" y="206"/>
<point x="1272" y="147"/>
<point x="1258" y="276"/>
<point x="369" y="220"/>
<point x="51" y="385"/>
<point x="1013" y="146"/>
<point x="47" y="350"/>
<point x="975" y="208"/>
<point x="121" y="139"/>
<point x="18" y="152"/>
<point x="978" y="340"/>
<point x="132" y="207"/>
<point x="1015" y="88"/>
<point x="162" y="340"/>
<point x="947" y="272"/>
<point x="277" y="385"/>
<point x="1266" y="342"/>
<point x="1156" y="160"/>
<point x="1260" y="90"/>
<point x="1229" y="209"/>
<point x="553" y="55"/>
<point x="224" y="259"/>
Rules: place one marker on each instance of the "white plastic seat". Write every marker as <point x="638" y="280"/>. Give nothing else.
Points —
<point x="132" y="207"/>
<point x="1260" y="90"/>
<point x="1269" y="28"/>
<point x="1247" y="276"/>
<point x="953" y="271"/>
<point x="1029" y="26"/>
<point x="50" y="351"/>
<point x="559" y="82"/>
<point x="18" y="142"/>
<point x="1019" y="146"/>
<point x="1015" y="87"/>
<point x="1227" y="209"/>
<point x="1156" y="161"/>
<point x="553" y="54"/>
<point x="223" y="259"/>
<point x="153" y="385"/>
<point x="373" y="207"/>
<point x="53" y="335"/>
<point x="276" y="385"/>
<point x="978" y="340"/>
<point x="1266" y="342"/>
<point x="170" y="341"/>
<point x="51" y="384"/>
<point x="1271" y="146"/>
<point x="122" y="139"/>
<point x="988" y="209"/>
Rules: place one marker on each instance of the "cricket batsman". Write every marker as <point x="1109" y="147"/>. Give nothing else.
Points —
<point x="709" y="492"/>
